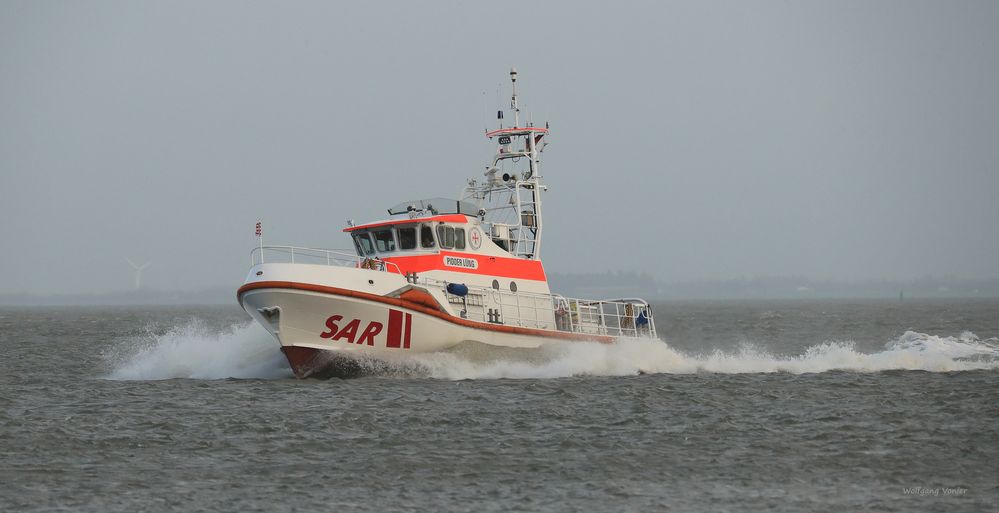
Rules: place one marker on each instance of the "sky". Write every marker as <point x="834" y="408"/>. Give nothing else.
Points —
<point x="848" y="140"/>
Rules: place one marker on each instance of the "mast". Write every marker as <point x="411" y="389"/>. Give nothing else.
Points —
<point x="509" y="198"/>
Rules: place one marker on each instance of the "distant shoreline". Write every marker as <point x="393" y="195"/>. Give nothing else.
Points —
<point x="600" y="286"/>
<point x="53" y="303"/>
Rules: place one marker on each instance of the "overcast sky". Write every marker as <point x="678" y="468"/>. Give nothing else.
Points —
<point x="835" y="140"/>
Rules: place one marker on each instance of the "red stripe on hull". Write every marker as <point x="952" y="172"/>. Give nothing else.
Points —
<point x="304" y="361"/>
<point x="308" y="362"/>
<point x="402" y="303"/>
<point x="394" y="328"/>
<point x="409" y="325"/>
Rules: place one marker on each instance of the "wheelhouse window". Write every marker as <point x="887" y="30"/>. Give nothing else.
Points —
<point x="446" y="236"/>
<point x="449" y="236"/>
<point x="426" y="236"/>
<point x="459" y="238"/>
<point x="384" y="241"/>
<point x="363" y="244"/>
<point x="407" y="238"/>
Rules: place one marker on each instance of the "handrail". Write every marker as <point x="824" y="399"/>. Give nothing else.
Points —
<point x="341" y="258"/>
<point x="620" y="317"/>
<point x="544" y="311"/>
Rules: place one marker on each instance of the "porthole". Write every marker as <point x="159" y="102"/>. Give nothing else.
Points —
<point x="513" y="286"/>
<point x="496" y="284"/>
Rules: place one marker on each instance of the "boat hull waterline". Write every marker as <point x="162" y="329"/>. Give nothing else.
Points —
<point x="331" y="332"/>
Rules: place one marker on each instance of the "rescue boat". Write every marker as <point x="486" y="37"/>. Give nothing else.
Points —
<point x="435" y="273"/>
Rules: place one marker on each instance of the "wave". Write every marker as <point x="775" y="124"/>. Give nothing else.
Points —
<point x="196" y="351"/>
<point x="911" y="351"/>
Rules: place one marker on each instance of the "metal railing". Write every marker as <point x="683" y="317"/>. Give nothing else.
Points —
<point x="318" y="256"/>
<point x="617" y="317"/>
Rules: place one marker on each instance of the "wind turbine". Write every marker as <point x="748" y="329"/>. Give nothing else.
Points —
<point x="138" y="271"/>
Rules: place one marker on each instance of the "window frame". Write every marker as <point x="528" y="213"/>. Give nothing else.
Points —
<point x="367" y="236"/>
<point x="391" y="240"/>
<point x="399" y="237"/>
<point x="442" y="230"/>
<point x="449" y="236"/>
<point x="433" y="237"/>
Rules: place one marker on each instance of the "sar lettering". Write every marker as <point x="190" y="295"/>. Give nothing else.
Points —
<point x="331" y="326"/>
<point x="349" y="332"/>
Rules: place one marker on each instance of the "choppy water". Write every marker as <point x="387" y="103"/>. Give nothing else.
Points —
<point x="795" y="406"/>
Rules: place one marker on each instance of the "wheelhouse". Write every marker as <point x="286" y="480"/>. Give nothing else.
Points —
<point x="387" y="240"/>
<point x="419" y="226"/>
<point x="407" y="238"/>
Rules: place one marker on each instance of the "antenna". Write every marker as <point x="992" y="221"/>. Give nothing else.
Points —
<point x="485" y="113"/>
<point x="138" y="271"/>
<point x="513" y="99"/>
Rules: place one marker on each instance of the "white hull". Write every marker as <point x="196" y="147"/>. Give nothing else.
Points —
<point x="321" y="326"/>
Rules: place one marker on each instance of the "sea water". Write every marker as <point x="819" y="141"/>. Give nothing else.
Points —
<point x="787" y="406"/>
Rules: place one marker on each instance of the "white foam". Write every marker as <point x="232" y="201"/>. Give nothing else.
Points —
<point x="196" y="351"/>
<point x="247" y="351"/>
<point x="912" y="351"/>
